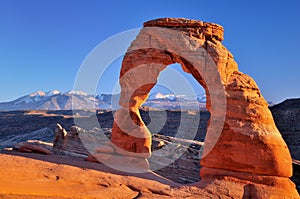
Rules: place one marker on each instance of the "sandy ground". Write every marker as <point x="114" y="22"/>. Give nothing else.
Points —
<point x="49" y="176"/>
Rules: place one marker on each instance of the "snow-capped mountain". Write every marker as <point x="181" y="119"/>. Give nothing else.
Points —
<point x="56" y="100"/>
<point x="156" y="96"/>
<point x="52" y="92"/>
<point x="176" y="102"/>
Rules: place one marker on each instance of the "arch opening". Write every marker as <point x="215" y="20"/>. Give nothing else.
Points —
<point x="175" y="91"/>
<point x="176" y="116"/>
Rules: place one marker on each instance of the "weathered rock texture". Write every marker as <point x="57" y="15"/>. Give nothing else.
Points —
<point x="78" y="141"/>
<point x="242" y="142"/>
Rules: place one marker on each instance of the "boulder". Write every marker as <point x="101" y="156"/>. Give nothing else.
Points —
<point x="33" y="148"/>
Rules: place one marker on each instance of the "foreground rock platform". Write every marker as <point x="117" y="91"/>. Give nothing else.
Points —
<point x="242" y="141"/>
<point x="25" y="176"/>
<point x="184" y="170"/>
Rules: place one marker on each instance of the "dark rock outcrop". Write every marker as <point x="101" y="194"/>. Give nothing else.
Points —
<point x="287" y="118"/>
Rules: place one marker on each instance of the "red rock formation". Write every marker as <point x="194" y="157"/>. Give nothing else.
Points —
<point x="242" y="140"/>
<point x="32" y="147"/>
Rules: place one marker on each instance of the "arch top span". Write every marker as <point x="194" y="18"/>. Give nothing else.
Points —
<point x="194" y="28"/>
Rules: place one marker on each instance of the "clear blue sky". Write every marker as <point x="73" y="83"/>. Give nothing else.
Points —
<point x="43" y="43"/>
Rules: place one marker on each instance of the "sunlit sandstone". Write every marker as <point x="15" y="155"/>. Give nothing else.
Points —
<point x="248" y="149"/>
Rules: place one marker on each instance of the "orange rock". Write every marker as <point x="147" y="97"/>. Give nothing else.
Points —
<point x="104" y="149"/>
<point x="241" y="136"/>
<point x="120" y="162"/>
<point x="91" y="158"/>
<point x="130" y="135"/>
<point x="31" y="148"/>
<point x="251" y="185"/>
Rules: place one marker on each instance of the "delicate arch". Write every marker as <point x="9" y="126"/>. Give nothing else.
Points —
<point x="141" y="66"/>
<point x="240" y="120"/>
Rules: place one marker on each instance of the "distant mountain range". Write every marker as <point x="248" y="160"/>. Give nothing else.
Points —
<point x="56" y="100"/>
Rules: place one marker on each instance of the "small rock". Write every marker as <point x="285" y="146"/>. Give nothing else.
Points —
<point x="91" y="158"/>
<point x="119" y="162"/>
<point x="8" y="149"/>
<point x="30" y="148"/>
<point x="157" y="144"/>
<point x="104" y="149"/>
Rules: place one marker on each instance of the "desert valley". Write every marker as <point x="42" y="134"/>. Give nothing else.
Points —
<point x="36" y="128"/>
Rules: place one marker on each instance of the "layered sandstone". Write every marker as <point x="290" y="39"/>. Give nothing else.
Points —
<point x="242" y="142"/>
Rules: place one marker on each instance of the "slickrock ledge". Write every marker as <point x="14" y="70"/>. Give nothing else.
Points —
<point x="40" y="176"/>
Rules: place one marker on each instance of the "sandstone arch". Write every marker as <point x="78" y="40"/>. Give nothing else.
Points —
<point x="242" y="140"/>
